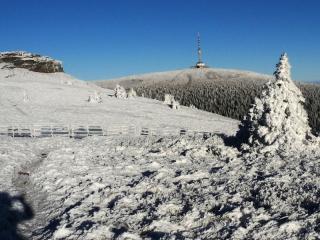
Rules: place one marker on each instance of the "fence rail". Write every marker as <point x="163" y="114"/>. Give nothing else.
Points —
<point x="81" y="131"/>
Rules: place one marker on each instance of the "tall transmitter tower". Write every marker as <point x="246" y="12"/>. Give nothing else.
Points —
<point x="199" y="64"/>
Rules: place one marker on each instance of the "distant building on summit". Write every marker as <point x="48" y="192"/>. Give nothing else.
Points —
<point x="199" y="64"/>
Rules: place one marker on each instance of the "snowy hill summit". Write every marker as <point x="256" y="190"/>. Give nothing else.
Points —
<point x="30" y="61"/>
<point x="184" y="76"/>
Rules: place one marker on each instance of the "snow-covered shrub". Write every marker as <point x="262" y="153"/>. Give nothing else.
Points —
<point x="168" y="98"/>
<point x="132" y="93"/>
<point x="175" y="105"/>
<point x="96" y="98"/>
<point x="120" y="92"/>
<point x="171" y="102"/>
<point x="25" y="97"/>
<point x="278" y="119"/>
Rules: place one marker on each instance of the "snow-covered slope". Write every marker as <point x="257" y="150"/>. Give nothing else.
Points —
<point x="35" y="98"/>
<point x="181" y="76"/>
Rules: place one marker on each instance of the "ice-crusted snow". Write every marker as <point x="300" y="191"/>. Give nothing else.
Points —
<point x="164" y="188"/>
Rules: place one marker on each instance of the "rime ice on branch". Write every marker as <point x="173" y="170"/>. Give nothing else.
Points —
<point x="278" y="120"/>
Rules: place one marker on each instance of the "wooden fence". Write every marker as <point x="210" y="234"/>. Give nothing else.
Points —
<point x="81" y="131"/>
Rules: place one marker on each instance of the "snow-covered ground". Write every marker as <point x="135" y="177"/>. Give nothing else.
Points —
<point x="160" y="188"/>
<point x="38" y="98"/>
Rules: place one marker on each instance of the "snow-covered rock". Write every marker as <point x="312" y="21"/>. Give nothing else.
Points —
<point x="30" y="61"/>
<point x="277" y="121"/>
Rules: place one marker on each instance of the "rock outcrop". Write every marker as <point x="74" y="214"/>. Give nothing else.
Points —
<point x="30" y="61"/>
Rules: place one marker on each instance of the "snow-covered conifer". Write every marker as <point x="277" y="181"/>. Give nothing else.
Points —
<point x="192" y="106"/>
<point x="171" y="102"/>
<point x="132" y="93"/>
<point x="278" y="119"/>
<point x="168" y="98"/>
<point x="120" y="92"/>
<point x="175" y="105"/>
<point x="25" y="97"/>
<point x="96" y="98"/>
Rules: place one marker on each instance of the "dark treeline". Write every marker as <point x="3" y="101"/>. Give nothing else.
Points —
<point x="229" y="98"/>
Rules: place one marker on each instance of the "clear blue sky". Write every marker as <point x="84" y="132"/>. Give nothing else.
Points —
<point x="100" y="39"/>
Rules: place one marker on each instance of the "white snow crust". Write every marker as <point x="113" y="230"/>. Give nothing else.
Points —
<point x="162" y="188"/>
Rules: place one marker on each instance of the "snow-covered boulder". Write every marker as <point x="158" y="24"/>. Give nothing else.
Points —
<point x="120" y="92"/>
<point x="132" y="93"/>
<point x="30" y="61"/>
<point x="278" y="120"/>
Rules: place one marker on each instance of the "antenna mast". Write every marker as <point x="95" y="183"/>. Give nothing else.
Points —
<point x="199" y="64"/>
<point x="199" y="49"/>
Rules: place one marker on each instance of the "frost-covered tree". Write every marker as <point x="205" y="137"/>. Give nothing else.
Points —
<point x="171" y="102"/>
<point x="25" y="97"/>
<point x="132" y="93"/>
<point x="168" y="99"/>
<point x="277" y="120"/>
<point x="175" y="105"/>
<point x="120" y="92"/>
<point x="96" y="98"/>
